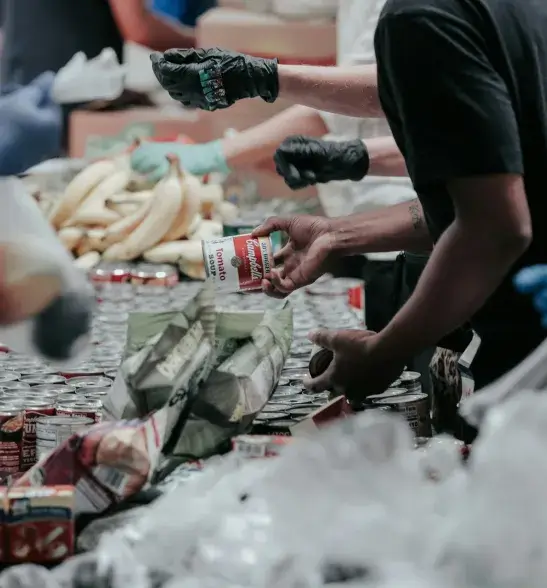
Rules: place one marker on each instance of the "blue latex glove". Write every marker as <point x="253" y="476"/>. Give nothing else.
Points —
<point x="533" y="281"/>
<point x="150" y="158"/>
<point x="30" y="126"/>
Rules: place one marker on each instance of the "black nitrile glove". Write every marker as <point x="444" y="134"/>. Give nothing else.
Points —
<point x="212" y="78"/>
<point x="304" y="161"/>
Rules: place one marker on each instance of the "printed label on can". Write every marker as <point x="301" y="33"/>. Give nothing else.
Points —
<point x="238" y="263"/>
<point x="11" y="440"/>
<point x="30" y="417"/>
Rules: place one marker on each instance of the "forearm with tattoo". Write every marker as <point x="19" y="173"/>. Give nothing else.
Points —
<point x="394" y="228"/>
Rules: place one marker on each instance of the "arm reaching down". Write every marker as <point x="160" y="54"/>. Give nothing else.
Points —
<point x="473" y="252"/>
<point x="138" y="24"/>
<point x="245" y="149"/>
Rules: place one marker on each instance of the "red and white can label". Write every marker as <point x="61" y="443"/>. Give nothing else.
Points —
<point x="238" y="263"/>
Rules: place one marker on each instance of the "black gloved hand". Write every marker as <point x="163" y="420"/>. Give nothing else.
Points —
<point x="212" y="78"/>
<point x="304" y="161"/>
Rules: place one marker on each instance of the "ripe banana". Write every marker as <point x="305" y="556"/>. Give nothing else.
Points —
<point x="93" y="210"/>
<point x="190" y="206"/>
<point x="227" y="212"/>
<point x="78" y="189"/>
<point x="174" y="252"/>
<point x="211" y="196"/>
<point x="121" y="229"/>
<point x="95" y="239"/>
<point x="165" y="205"/>
<point x="71" y="237"/>
<point x="208" y="229"/>
<point x="127" y="203"/>
<point x="88" y="260"/>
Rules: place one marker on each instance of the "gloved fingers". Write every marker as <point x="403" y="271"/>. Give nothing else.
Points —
<point x="184" y="56"/>
<point x="10" y="88"/>
<point x="531" y="279"/>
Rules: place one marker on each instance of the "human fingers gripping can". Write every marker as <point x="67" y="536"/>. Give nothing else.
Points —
<point x="238" y="263"/>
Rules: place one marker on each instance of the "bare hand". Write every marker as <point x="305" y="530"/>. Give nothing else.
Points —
<point x="358" y="369"/>
<point x="304" y="258"/>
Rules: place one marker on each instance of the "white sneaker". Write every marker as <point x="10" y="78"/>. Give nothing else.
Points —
<point x="83" y="80"/>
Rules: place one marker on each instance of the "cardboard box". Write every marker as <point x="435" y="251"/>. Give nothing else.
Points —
<point x="267" y="35"/>
<point x="94" y="134"/>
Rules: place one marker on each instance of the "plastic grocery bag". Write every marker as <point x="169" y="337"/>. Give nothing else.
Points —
<point x="530" y="374"/>
<point x="249" y="352"/>
<point x="55" y="301"/>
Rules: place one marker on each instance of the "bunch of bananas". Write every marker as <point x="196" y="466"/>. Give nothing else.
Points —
<point x="107" y="213"/>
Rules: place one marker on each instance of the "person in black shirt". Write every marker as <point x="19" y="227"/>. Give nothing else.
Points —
<point x="463" y="84"/>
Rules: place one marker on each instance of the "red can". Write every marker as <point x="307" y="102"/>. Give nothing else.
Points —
<point x="11" y="437"/>
<point x="238" y="263"/>
<point x="154" y="274"/>
<point x="110" y="272"/>
<point x="33" y="410"/>
<point x="92" y="409"/>
<point x="46" y="380"/>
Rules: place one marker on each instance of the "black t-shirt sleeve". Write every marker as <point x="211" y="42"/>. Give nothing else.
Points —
<point x="452" y="108"/>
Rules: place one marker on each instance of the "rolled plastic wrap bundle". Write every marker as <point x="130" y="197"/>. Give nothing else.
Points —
<point x="47" y="301"/>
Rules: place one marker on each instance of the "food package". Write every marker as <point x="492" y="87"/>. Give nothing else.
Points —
<point x="55" y="301"/>
<point x="39" y="525"/>
<point x="249" y="352"/>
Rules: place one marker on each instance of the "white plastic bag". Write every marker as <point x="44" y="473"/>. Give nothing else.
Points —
<point x="55" y="299"/>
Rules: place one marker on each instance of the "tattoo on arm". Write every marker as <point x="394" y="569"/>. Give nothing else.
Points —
<point x="418" y="221"/>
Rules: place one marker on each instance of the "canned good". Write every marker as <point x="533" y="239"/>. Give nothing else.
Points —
<point x="6" y="376"/>
<point x="90" y="409"/>
<point x="237" y="264"/>
<point x="286" y="392"/>
<point x="154" y="274"/>
<point x="11" y="437"/>
<point x="32" y="411"/>
<point x="272" y="416"/>
<point x="13" y="386"/>
<point x="258" y="446"/>
<point x="43" y="380"/>
<point x="295" y="363"/>
<point x="111" y="373"/>
<point x="283" y="381"/>
<point x="90" y="382"/>
<point x="275" y="407"/>
<point x="117" y="272"/>
<point x="300" y="411"/>
<point x="411" y="381"/>
<point x="52" y="431"/>
<point x="97" y="391"/>
<point x="389" y="393"/>
<point x="117" y="292"/>
<point x="53" y="389"/>
<point x="244" y="227"/>
<point x="319" y="361"/>
<point x="69" y="397"/>
<point x="414" y="408"/>
<point x="88" y="369"/>
<point x="296" y="376"/>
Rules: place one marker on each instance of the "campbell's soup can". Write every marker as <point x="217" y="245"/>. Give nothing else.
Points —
<point x="238" y="263"/>
<point x="154" y="274"/>
<point x="11" y="437"/>
<point x="109" y="272"/>
<point x="32" y="411"/>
